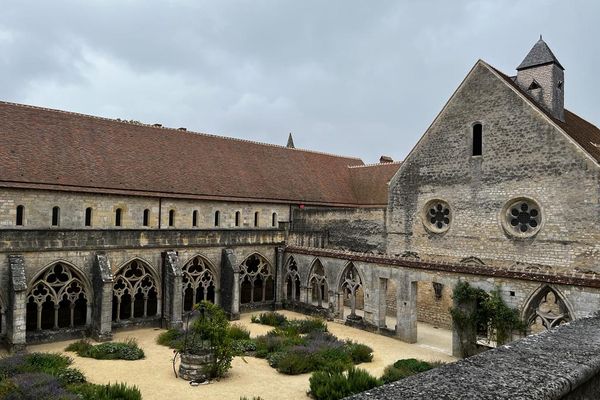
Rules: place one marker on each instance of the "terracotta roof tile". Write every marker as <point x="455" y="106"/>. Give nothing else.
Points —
<point x="41" y="147"/>
<point x="370" y="182"/>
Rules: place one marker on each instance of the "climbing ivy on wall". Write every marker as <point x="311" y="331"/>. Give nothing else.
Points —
<point x="476" y="310"/>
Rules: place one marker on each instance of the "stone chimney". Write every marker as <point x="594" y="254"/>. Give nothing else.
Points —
<point x="542" y="76"/>
<point x="385" y="159"/>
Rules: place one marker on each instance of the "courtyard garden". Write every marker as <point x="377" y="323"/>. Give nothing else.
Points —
<point x="265" y="359"/>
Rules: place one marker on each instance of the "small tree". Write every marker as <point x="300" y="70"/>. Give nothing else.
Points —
<point x="210" y="331"/>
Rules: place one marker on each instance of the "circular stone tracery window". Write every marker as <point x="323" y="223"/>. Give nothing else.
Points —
<point x="437" y="216"/>
<point x="522" y="217"/>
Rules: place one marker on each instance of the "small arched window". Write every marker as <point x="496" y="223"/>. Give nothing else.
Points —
<point x="171" y="217"/>
<point x="217" y="218"/>
<point x="195" y="218"/>
<point x="20" y="212"/>
<point x="274" y="219"/>
<point x="146" y="218"/>
<point x="237" y="218"/>
<point x="477" y="139"/>
<point x="256" y="215"/>
<point x="55" y="216"/>
<point x="88" y="216"/>
<point x="118" y="213"/>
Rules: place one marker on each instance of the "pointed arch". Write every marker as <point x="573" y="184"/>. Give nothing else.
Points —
<point x="58" y="297"/>
<point x="256" y="279"/>
<point x="292" y="280"/>
<point x="317" y="282"/>
<point x="135" y="291"/>
<point x="200" y="281"/>
<point x="545" y="309"/>
<point x="351" y="286"/>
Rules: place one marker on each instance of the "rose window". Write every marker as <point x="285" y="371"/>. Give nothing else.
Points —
<point x="438" y="216"/>
<point x="523" y="217"/>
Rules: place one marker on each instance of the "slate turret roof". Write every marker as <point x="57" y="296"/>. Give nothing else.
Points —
<point x="539" y="54"/>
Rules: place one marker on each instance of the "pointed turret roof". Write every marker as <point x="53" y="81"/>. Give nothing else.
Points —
<point x="290" y="143"/>
<point x="540" y="54"/>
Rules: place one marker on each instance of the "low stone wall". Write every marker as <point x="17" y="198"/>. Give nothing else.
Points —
<point x="563" y="363"/>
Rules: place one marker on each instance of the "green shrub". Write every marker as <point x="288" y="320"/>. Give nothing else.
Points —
<point x="80" y="347"/>
<point x="270" y="318"/>
<point x="114" y="391"/>
<point x="238" y="332"/>
<point x="70" y="375"/>
<point x="172" y="338"/>
<point x="359" y="352"/>
<point x="127" y="350"/>
<point x="326" y="385"/>
<point x="406" y="367"/>
<point x="308" y="325"/>
<point x="50" y="363"/>
<point x="241" y="347"/>
<point x="294" y="363"/>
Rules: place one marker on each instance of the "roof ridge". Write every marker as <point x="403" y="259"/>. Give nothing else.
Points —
<point x="173" y="129"/>
<point x="375" y="164"/>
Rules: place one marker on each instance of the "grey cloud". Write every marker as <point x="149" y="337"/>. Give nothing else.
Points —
<point x="351" y="77"/>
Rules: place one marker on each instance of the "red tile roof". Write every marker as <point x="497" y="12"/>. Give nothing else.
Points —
<point x="43" y="148"/>
<point x="370" y="182"/>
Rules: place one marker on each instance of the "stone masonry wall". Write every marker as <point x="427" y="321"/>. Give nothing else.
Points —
<point x="355" y="229"/>
<point x="523" y="156"/>
<point x="39" y="203"/>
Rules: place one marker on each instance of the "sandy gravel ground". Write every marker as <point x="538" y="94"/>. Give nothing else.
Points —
<point x="249" y="377"/>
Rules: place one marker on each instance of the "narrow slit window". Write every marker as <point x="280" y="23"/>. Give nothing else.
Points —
<point x="146" y="218"/>
<point x="195" y="218"/>
<point x="118" y="213"/>
<point x="88" y="216"/>
<point x="55" y="216"/>
<point x="217" y="218"/>
<point x="477" y="139"/>
<point x="171" y="217"/>
<point x="20" y="212"/>
<point x="256" y="218"/>
<point x="237" y="218"/>
<point x="274" y="219"/>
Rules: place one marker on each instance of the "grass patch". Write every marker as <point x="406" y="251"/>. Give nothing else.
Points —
<point x="45" y="376"/>
<point x="127" y="350"/>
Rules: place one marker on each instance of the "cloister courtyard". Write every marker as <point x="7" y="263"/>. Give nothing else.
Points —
<point x="249" y="376"/>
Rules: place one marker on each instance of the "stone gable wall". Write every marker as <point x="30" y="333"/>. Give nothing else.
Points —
<point x="523" y="155"/>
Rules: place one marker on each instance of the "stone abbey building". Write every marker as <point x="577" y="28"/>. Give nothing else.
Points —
<point x="106" y="224"/>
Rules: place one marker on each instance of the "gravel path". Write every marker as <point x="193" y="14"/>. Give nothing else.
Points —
<point x="250" y="376"/>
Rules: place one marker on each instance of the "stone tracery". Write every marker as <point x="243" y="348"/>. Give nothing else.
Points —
<point x="199" y="282"/>
<point x="292" y="281"/>
<point x="317" y="281"/>
<point x="351" y="286"/>
<point x="135" y="293"/>
<point x="57" y="299"/>
<point x="546" y="310"/>
<point x="256" y="280"/>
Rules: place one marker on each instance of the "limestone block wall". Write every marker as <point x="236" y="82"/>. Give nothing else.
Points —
<point x="524" y="155"/>
<point x="356" y="229"/>
<point x="39" y="203"/>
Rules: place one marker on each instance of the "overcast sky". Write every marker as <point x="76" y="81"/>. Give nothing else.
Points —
<point x="357" y="78"/>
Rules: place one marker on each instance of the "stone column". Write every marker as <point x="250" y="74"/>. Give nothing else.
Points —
<point x="17" y="305"/>
<point x="464" y="343"/>
<point x="279" y="274"/>
<point x="230" y="284"/>
<point x="406" y="326"/>
<point x="102" y="281"/>
<point x="172" y="290"/>
<point x="382" y="309"/>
